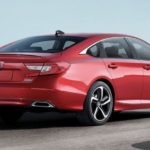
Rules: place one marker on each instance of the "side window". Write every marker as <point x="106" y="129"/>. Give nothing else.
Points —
<point x="116" y="48"/>
<point x="94" y="51"/>
<point x="142" y="48"/>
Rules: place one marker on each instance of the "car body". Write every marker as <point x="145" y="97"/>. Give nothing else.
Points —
<point x="34" y="74"/>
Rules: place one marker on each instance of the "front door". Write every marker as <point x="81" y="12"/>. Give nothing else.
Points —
<point x="143" y="50"/>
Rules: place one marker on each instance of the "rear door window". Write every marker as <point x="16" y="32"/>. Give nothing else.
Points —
<point x="116" y="48"/>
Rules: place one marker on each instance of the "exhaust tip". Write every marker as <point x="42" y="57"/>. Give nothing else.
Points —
<point x="42" y="104"/>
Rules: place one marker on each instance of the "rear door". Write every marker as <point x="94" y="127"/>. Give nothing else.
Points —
<point x="125" y="70"/>
<point x="143" y="50"/>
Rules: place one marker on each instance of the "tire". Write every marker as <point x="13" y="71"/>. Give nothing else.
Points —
<point x="98" y="105"/>
<point x="10" y="116"/>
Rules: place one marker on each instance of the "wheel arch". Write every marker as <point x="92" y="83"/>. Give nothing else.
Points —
<point x="108" y="82"/>
<point x="110" y="85"/>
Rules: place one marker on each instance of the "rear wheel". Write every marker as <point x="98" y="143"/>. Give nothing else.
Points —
<point x="98" y="106"/>
<point x="10" y="116"/>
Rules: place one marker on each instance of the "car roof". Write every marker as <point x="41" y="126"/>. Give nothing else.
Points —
<point x="90" y="35"/>
<point x="93" y="34"/>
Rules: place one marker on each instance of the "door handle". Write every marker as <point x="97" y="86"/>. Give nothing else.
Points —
<point x="146" y="67"/>
<point x="112" y="66"/>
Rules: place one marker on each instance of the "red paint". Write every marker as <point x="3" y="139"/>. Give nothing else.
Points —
<point x="72" y="75"/>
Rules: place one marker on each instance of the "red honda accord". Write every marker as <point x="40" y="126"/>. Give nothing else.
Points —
<point x="93" y="75"/>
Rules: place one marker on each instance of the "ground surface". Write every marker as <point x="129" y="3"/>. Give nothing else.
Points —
<point x="53" y="131"/>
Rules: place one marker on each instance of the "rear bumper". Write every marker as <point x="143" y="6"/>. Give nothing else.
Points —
<point x="61" y="96"/>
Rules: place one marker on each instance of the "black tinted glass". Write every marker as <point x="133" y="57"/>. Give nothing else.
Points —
<point x="94" y="51"/>
<point x="142" y="48"/>
<point x="42" y="44"/>
<point x="116" y="48"/>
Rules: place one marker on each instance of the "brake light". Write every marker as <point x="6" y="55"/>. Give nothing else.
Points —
<point x="54" y="68"/>
<point x="49" y="68"/>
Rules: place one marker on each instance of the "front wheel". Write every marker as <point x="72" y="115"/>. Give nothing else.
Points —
<point x="98" y="105"/>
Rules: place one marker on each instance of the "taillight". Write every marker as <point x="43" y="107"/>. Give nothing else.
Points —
<point x="49" y="68"/>
<point x="34" y="68"/>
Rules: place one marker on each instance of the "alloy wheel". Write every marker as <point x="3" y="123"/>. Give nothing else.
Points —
<point x="101" y="103"/>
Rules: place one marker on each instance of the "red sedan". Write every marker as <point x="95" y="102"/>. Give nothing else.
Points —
<point x="93" y="75"/>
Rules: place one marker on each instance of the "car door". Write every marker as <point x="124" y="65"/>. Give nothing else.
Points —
<point x="143" y="50"/>
<point x="125" y="70"/>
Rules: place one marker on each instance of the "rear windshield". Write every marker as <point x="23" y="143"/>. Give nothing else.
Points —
<point x="42" y="44"/>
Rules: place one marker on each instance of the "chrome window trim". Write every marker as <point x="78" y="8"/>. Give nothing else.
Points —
<point x="84" y="52"/>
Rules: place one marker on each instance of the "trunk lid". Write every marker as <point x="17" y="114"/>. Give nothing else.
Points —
<point x="24" y="57"/>
<point x="13" y="65"/>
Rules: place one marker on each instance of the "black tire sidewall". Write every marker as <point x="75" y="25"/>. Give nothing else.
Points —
<point x="87" y="108"/>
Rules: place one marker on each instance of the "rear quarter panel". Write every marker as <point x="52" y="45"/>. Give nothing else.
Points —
<point x="83" y="72"/>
